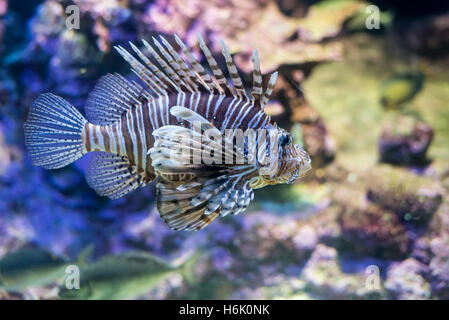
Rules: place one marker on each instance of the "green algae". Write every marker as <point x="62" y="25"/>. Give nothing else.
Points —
<point x="413" y="198"/>
<point x="346" y="93"/>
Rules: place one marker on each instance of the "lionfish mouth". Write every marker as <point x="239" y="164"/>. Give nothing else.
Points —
<point x="295" y="166"/>
<point x="299" y="173"/>
<point x="289" y="172"/>
<point x="292" y="169"/>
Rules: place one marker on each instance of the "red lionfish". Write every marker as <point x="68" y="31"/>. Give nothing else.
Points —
<point x="134" y="126"/>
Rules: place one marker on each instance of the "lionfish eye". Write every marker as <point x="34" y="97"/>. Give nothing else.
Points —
<point x="285" y="140"/>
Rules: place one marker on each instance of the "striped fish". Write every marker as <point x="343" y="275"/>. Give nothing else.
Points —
<point x="135" y="128"/>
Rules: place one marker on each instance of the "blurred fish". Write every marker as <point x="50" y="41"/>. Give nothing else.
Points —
<point x="125" y="276"/>
<point x="137" y="129"/>
<point x="400" y="88"/>
<point x="29" y="267"/>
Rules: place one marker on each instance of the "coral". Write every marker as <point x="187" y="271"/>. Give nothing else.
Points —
<point x="112" y="21"/>
<point x="370" y="230"/>
<point x="306" y="238"/>
<point x="405" y="281"/>
<point x="69" y="65"/>
<point x="237" y="22"/>
<point x="47" y="25"/>
<point x="428" y="36"/>
<point x="411" y="197"/>
<point x="439" y="266"/>
<point x="327" y="226"/>
<point x="59" y="57"/>
<point x="173" y="285"/>
<point x="323" y="275"/>
<point x="405" y="142"/>
<point x="283" y="239"/>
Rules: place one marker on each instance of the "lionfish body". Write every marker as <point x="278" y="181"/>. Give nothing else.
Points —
<point x="132" y="135"/>
<point x="137" y="127"/>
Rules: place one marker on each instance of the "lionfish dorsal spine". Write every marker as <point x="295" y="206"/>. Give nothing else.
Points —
<point x="256" y="91"/>
<point x="218" y="76"/>
<point x="201" y="74"/>
<point x="182" y="68"/>
<point x="269" y="89"/>
<point x="175" y="80"/>
<point x="171" y="73"/>
<point x="157" y="72"/>
<point x="233" y="73"/>
<point x="147" y="76"/>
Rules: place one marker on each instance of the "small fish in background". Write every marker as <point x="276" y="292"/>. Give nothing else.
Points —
<point x="399" y="89"/>
<point x="134" y="128"/>
<point x="126" y="276"/>
<point x="29" y="267"/>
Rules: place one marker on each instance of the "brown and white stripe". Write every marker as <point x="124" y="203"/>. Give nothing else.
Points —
<point x="132" y="136"/>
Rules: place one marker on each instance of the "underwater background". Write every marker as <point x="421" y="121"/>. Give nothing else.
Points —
<point x="363" y="85"/>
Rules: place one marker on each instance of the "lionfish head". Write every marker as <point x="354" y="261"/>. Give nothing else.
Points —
<point x="289" y="161"/>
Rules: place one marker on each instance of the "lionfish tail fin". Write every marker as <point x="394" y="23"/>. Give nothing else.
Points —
<point x="53" y="132"/>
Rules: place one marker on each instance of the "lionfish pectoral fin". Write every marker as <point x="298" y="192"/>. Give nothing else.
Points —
<point x="191" y="193"/>
<point x="112" y="175"/>
<point x="195" y="204"/>
<point x="176" y="209"/>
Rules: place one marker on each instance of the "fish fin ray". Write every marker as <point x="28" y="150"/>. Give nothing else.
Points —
<point x="202" y="77"/>
<point x="149" y="74"/>
<point x="256" y="91"/>
<point x="53" y="132"/>
<point x="218" y="77"/>
<point x="164" y="70"/>
<point x="195" y="207"/>
<point x="112" y="96"/>
<point x="176" y="210"/>
<point x="233" y="73"/>
<point x="190" y="195"/>
<point x="192" y="79"/>
<point x="171" y="67"/>
<point x="268" y="90"/>
<point x="112" y="175"/>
